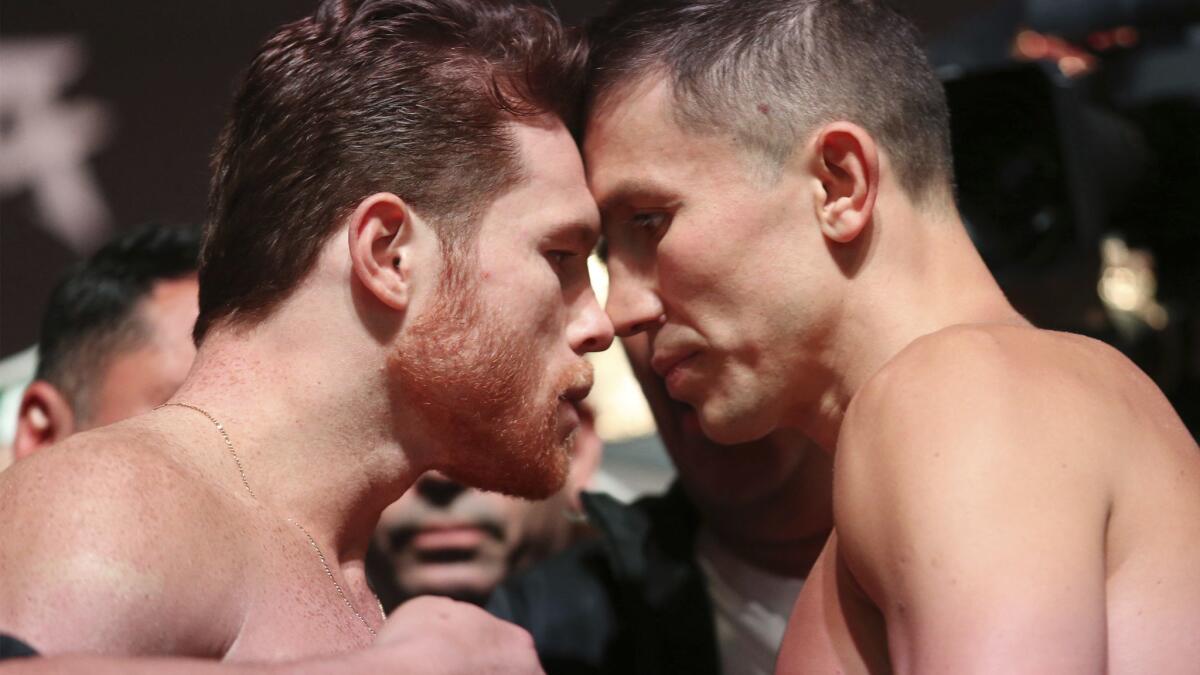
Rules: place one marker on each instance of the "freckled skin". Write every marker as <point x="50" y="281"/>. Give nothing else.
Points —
<point x="142" y="537"/>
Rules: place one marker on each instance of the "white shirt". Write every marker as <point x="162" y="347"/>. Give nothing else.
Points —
<point x="750" y="606"/>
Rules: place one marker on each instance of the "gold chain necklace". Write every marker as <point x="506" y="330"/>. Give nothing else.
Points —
<point x="312" y="542"/>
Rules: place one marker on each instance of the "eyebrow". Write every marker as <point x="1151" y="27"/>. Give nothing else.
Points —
<point x="630" y="190"/>
<point x="585" y="232"/>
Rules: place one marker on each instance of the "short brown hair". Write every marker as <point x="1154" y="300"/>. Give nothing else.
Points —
<point x="412" y="97"/>
<point x="771" y="71"/>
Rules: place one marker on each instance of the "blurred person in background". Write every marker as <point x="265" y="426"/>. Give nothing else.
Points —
<point x="444" y="538"/>
<point x="116" y="336"/>
<point x="700" y="580"/>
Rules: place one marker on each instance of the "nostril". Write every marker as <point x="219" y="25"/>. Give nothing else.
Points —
<point x="439" y="491"/>
<point x="640" y="327"/>
<point x="601" y="341"/>
<point x="596" y="344"/>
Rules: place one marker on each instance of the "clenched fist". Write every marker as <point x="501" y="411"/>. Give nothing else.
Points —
<point x="438" y="636"/>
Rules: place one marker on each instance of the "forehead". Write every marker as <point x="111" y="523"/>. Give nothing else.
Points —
<point x="552" y="193"/>
<point x="633" y="144"/>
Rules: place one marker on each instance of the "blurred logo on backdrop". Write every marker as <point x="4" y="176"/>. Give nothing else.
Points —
<point x="47" y="138"/>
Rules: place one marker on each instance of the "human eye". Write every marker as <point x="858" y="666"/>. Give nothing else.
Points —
<point x="648" y="222"/>
<point x="560" y="258"/>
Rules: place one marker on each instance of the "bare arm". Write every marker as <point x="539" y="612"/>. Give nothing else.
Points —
<point x="104" y="557"/>
<point x="425" y="636"/>
<point x="971" y="513"/>
<point x="103" y="665"/>
<point x="115" y="665"/>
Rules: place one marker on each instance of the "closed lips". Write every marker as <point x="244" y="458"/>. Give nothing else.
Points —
<point x="663" y="364"/>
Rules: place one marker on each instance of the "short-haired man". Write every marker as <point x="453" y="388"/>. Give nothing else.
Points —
<point x="775" y="183"/>
<point x="393" y="277"/>
<point x="116" y="337"/>
<point x="448" y="539"/>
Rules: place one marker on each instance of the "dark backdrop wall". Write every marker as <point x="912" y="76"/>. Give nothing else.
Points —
<point x="108" y="111"/>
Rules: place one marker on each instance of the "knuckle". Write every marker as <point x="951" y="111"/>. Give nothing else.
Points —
<point x="521" y="639"/>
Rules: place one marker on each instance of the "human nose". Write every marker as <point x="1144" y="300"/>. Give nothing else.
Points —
<point x="592" y="331"/>
<point x="437" y="489"/>
<point x="632" y="306"/>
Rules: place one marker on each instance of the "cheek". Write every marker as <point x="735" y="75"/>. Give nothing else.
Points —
<point x="684" y="273"/>
<point x="514" y="513"/>
<point x="528" y="294"/>
<point x="699" y="282"/>
<point x="396" y="511"/>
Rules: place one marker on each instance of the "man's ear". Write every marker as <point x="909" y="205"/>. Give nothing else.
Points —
<point x="845" y="162"/>
<point x="45" y="418"/>
<point x="381" y="235"/>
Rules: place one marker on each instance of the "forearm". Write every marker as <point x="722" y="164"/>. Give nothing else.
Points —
<point x="118" y="665"/>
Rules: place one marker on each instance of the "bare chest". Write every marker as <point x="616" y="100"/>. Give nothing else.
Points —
<point x="833" y="628"/>
<point x="293" y="610"/>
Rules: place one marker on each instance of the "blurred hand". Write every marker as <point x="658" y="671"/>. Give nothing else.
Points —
<point x="438" y="636"/>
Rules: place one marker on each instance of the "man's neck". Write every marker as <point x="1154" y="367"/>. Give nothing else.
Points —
<point x="792" y="557"/>
<point x="924" y="276"/>
<point x="314" y="440"/>
<point x="784" y="532"/>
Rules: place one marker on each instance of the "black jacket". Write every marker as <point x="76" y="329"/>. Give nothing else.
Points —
<point x="11" y="648"/>
<point x="631" y="602"/>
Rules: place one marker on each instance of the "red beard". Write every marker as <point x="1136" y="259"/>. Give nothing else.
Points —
<point x="474" y="387"/>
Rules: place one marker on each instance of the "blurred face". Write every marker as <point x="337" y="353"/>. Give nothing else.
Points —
<point x="712" y="262"/>
<point x="443" y="538"/>
<point x="140" y="378"/>
<point x="497" y="363"/>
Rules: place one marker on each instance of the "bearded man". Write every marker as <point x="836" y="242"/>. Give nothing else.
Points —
<point x="393" y="280"/>
<point x="444" y="538"/>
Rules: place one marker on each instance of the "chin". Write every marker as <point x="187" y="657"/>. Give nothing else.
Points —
<point x="464" y="582"/>
<point x="527" y="474"/>
<point x="534" y="487"/>
<point x="730" y="428"/>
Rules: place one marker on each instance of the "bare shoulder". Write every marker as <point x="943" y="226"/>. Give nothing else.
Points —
<point x="981" y="479"/>
<point x="973" y="486"/>
<point x="108" y="525"/>
<point x="1022" y="384"/>
<point x="973" y="421"/>
<point x="121" y="471"/>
